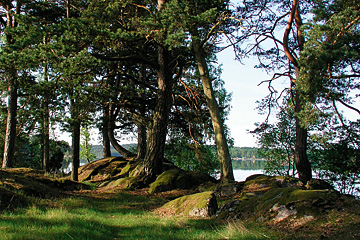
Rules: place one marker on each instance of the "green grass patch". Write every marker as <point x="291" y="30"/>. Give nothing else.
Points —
<point x="114" y="216"/>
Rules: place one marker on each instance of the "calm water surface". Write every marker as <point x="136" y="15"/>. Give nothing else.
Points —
<point x="241" y="175"/>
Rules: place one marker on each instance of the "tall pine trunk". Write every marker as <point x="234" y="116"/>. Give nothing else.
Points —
<point x="45" y="128"/>
<point x="226" y="170"/>
<point x="75" y="149"/>
<point x="10" y="135"/>
<point x="300" y="155"/>
<point x="141" y="148"/>
<point x="154" y="157"/>
<point x="105" y="130"/>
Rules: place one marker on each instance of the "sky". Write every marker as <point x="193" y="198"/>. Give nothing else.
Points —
<point x="242" y="80"/>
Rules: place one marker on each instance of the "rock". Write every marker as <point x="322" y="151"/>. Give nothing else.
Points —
<point x="176" y="178"/>
<point x="228" y="189"/>
<point x="317" y="184"/>
<point x="166" y="181"/>
<point x="103" y="169"/>
<point x="196" y="205"/>
<point x="282" y="212"/>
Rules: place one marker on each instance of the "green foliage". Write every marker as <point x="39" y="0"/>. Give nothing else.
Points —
<point x="192" y="156"/>
<point x="330" y="59"/>
<point x="249" y="164"/>
<point x="86" y="148"/>
<point x="29" y="153"/>
<point x="244" y="152"/>
<point x="277" y="142"/>
<point x="339" y="163"/>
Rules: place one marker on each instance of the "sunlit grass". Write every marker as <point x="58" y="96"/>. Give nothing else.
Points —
<point x="121" y="217"/>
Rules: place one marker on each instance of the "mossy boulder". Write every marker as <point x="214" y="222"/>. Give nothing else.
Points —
<point x="196" y="205"/>
<point x="176" y="178"/>
<point x="276" y="199"/>
<point x="103" y="170"/>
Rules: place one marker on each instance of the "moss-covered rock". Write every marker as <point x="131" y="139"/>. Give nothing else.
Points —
<point x="165" y="181"/>
<point x="197" y="205"/>
<point x="277" y="199"/>
<point x="176" y="178"/>
<point x="103" y="169"/>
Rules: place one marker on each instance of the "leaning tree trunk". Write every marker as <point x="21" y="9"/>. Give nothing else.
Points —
<point x="10" y="135"/>
<point x="117" y="146"/>
<point x="226" y="170"/>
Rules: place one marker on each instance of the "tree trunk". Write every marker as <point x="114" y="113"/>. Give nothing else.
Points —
<point x="105" y="130"/>
<point x="226" y="170"/>
<point x="46" y="138"/>
<point x="75" y="149"/>
<point x="141" y="148"/>
<point x="154" y="157"/>
<point x="76" y="132"/>
<point x="117" y="146"/>
<point x="152" y="164"/>
<point x="300" y="155"/>
<point x="45" y="148"/>
<point x="10" y="135"/>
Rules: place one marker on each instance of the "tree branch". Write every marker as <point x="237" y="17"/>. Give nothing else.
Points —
<point x="288" y="54"/>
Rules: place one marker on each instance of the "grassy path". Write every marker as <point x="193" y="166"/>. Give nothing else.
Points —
<point x="99" y="215"/>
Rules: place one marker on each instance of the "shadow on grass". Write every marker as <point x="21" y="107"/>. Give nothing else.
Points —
<point x="121" y="216"/>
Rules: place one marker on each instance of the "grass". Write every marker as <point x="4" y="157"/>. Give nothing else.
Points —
<point x="112" y="216"/>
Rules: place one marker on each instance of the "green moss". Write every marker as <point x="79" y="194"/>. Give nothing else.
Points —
<point x="123" y="183"/>
<point x="165" y="181"/>
<point x="184" y="205"/>
<point x="309" y="195"/>
<point x="126" y="169"/>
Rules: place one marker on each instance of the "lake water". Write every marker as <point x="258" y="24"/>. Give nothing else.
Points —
<point x="240" y="175"/>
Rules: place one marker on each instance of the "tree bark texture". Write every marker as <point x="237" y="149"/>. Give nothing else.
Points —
<point x="105" y="130"/>
<point x="154" y="157"/>
<point x="76" y="128"/>
<point x="46" y="138"/>
<point x="11" y="78"/>
<point x="300" y="156"/>
<point x="76" y="133"/>
<point x="45" y="131"/>
<point x="226" y="170"/>
<point x="142" y="134"/>
<point x="10" y="135"/>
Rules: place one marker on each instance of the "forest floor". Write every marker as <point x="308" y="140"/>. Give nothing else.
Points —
<point x="112" y="213"/>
